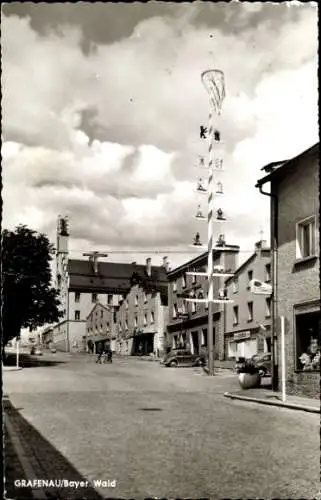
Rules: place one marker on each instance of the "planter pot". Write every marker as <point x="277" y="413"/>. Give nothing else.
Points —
<point x="248" y="381"/>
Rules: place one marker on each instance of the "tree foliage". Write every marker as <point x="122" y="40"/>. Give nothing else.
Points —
<point x="28" y="299"/>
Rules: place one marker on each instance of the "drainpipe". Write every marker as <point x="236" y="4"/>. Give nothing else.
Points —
<point x="274" y="247"/>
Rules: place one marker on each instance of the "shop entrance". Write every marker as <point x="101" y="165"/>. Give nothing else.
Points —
<point x="195" y="342"/>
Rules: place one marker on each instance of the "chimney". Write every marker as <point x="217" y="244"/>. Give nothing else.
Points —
<point x="149" y="266"/>
<point x="261" y="245"/>
<point x="166" y="264"/>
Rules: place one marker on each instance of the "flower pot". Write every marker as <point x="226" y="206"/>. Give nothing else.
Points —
<point x="248" y="380"/>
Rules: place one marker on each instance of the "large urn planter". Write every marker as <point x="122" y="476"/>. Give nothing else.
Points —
<point x="249" y="380"/>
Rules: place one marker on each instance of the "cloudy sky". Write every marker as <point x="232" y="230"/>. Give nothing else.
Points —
<point x="102" y="105"/>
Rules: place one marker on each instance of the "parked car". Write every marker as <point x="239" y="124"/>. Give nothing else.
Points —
<point x="53" y="350"/>
<point x="38" y="352"/>
<point x="264" y="363"/>
<point x="181" y="357"/>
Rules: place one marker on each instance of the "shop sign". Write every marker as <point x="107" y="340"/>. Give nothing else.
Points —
<point x="242" y="335"/>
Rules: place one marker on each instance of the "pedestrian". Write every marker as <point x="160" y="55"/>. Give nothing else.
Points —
<point x="100" y="351"/>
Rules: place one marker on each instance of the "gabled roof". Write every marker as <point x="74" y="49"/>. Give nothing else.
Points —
<point x="238" y="271"/>
<point x="280" y="169"/>
<point x="99" y="304"/>
<point x="112" y="277"/>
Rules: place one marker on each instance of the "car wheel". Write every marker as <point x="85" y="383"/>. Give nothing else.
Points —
<point x="262" y="372"/>
<point x="173" y="364"/>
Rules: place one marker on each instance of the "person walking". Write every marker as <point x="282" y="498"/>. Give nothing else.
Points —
<point x="100" y="351"/>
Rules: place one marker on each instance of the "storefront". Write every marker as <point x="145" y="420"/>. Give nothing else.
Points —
<point x="247" y="343"/>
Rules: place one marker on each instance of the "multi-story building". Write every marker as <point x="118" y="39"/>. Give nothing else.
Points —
<point x="143" y="312"/>
<point x="188" y="321"/>
<point x="81" y="284"/>
<point x="294" y="194"/>
<point x="248" y="319"/>
<point x="101" y="327"/>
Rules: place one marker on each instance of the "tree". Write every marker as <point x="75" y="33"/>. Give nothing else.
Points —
<point x="28" y="300"/>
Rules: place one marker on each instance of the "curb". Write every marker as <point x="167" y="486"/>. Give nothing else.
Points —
<point x="37" y="493"/>
<point x="280" y="404"/>
<point x="11" y="368"/>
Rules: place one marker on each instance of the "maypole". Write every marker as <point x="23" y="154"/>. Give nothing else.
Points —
<point x="213" y="81"/>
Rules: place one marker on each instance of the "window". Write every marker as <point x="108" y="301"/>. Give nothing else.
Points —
<point x="77" y="296"/>
<point x="77" y="315"/>
<point x="235" y="285"/>
<point x="110" y="300"/>
<point x="101" y="314"/>
<point x="235" y="315"/>
<point x="135" y="321"/>
<point x="94" y="297"/>
<point x="136" y="300"/>
<point x="175" y="286"/>
<point x="250" y="310"/>
<point x="194" y="278"/>
<point x="126" y="324"/>
<point x="174" y="312"/>
<point x="305" y="238"/>
<point x="308" y="327"/>
<point x="206" y="303"/>
<point x="145" y="298"/>
<point x="152" y="317"/>
<point x="183" y="282"/>
<point x="145" y="319"/>
<point x="249" y="278"/>
<point x="126" y="304"/>
<point x="268" y="307"/>
<point x="268" y="272"/>
<point x="193" y="307"/>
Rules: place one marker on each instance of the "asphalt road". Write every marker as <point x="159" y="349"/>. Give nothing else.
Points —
<point x="163" y="432"/>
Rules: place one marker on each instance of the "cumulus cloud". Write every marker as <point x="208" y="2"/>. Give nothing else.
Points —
<point x="111" y="136"/>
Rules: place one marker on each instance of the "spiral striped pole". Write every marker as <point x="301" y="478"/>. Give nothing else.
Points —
<point x="213" y="81"/>
<point x="210" y="339"/>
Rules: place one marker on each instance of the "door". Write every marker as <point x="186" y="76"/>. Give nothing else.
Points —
<point x="195" y="347"/>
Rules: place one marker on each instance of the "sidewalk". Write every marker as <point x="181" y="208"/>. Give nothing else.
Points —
<point x="268" y="397"/>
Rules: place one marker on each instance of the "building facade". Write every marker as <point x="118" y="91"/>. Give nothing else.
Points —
<point x="82" y="283"/>
<point x="101" y="327"/>
<point x="143" y="312"/>
<point x="248" y="319"/>
<point x="188" y="321"/>
<point x="296" y="264"/>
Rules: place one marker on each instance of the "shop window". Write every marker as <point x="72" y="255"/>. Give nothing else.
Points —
<point x="77" y="315"/>
<point x="250" y="311"/>
<point x="308" y="329"/>
<point x="268" y="307"/>
<point x="305" y="238"/>
<point x="268" y="272"/>
<point x="235" y="315"/>
<point x="77" y="296"/>
<point x="231" y="349"/>
<point x="94" y="297"/>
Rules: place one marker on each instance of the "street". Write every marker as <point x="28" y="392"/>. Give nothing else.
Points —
<point x="163" y="432"/>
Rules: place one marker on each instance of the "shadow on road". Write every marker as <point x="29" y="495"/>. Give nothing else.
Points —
<point x="28" y="361"/>
<point x="47" y="462"/>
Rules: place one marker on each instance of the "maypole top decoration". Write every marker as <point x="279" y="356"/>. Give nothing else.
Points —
<point x="213" y="81"/>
